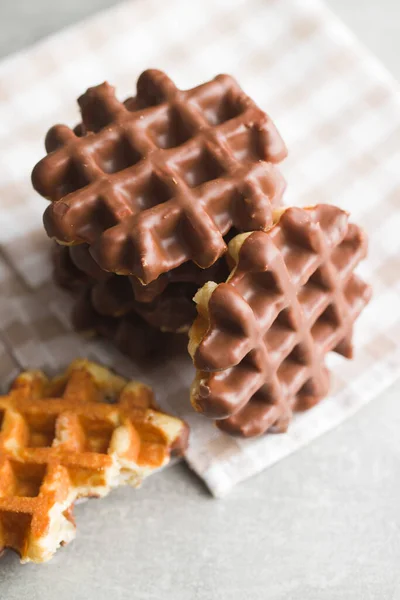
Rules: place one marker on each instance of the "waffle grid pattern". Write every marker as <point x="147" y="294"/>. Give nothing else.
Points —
<point x="167" y="306"/>
<point x="158" y="180"/>
<point x="63" y="439"/>
<point x="292" y="298"/>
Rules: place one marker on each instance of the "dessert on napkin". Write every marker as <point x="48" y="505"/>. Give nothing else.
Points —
<point x="260" y="340"/>
<point x="146" y="196"/>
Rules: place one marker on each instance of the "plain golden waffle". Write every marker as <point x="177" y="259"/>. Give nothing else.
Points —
<point x="76" y="436"/>
<point x="260" y="340"/>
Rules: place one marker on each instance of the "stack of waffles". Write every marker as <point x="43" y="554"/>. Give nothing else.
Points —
<point x="167" y="214"/>
<point x="145" y="195"/>
<point x="148" y="195"/>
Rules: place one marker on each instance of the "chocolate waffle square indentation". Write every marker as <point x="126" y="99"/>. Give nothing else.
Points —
<point x="260" y="340"/>
<point x="131" y="334"/>
<point x="159" y="179"/>
<point x="165" y="304"/>
<point x="74" y="265"/>
<point x="78" y="435"/>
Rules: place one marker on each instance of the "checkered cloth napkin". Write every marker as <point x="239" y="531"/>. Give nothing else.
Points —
<point x="338" y="111"/>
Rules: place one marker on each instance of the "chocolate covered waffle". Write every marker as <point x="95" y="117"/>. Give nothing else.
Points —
<point x="260" y="340"/>
<point x="166" y="304"/>
<point x="159" y="179"/>
<point x="187" y="273"/>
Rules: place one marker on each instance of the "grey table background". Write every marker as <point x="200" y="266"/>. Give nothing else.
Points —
<point x="323" y="524"/>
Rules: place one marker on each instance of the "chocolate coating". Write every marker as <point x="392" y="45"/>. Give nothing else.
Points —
<point x="130" y="333"/>
<point x="292" y="298"/>
<point x="169" y="304"/>
<point x="65" y="273"/>
<point x="159" y="180"/>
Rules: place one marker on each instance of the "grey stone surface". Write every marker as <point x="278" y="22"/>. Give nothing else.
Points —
<point x="321" y="525"/>
<point x="324" y="524"/>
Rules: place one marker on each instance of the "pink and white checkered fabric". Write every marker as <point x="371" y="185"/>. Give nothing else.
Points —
<point x="338" y="111"/>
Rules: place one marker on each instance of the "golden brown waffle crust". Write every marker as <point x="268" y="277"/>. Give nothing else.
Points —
<point x="77" y="435"/>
